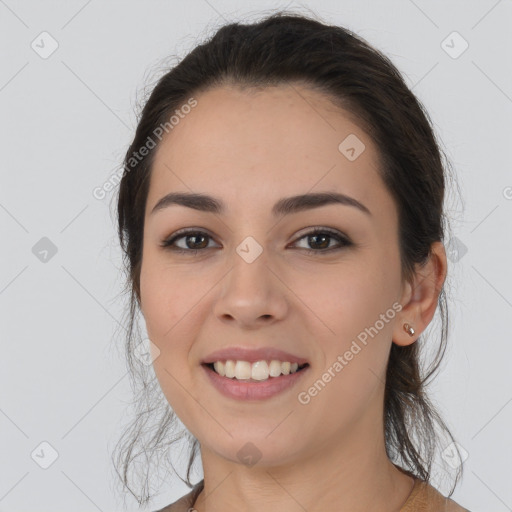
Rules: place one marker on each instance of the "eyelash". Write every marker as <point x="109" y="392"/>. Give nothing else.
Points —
<point x="343" y="240"/>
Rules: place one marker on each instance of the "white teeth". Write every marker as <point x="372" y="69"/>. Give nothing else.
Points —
<point x="219" y="368"/>
<point x="242" y="370"/>
<point x="260" y="370"/>
<point x="275" y="368"/>
<point x="229" y="369"/>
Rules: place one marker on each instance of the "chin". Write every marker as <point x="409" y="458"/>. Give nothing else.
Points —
<point x="257" y="451"/>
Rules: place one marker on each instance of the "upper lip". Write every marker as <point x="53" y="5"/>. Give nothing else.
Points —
<point x="252" y="355"/>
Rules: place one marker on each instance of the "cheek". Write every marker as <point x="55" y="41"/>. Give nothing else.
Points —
<point x="351" y="300"/>
<point x="165" y="298"/>
<point x="350" y="382"/>
<point x="168" y="307"/>
<point x="358" y="307"/>
<point x="153" y="302"/>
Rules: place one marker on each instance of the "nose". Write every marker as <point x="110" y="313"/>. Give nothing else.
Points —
<point x="251" y="294"/>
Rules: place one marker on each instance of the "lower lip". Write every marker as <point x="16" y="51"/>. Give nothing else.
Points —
<point x="253" y="390"/>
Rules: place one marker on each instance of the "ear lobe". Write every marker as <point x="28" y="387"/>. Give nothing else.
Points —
<point x="421" y="297"/>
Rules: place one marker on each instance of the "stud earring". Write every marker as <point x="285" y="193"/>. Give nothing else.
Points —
<point x="408" y="329"/>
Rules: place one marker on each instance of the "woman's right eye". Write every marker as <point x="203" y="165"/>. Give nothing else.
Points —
<point x="197" y="237"/>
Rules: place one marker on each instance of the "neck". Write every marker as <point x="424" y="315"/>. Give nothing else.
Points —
<point x="354" y="475"/>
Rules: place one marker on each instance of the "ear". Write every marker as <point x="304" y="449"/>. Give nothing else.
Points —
<point x="420" y="297"/>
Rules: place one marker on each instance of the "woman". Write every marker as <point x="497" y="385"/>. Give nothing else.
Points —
<point x="281" y="213"/>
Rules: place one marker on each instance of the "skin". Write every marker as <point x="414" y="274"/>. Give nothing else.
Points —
<point x="250" y="148"/>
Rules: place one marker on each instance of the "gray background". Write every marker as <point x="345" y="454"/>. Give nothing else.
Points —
<point x="66" y="122"/>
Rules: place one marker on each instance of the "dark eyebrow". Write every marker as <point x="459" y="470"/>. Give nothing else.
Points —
<point x="284" y="206"/>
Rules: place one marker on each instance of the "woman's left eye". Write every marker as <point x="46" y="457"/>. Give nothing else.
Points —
<point x="319" y="237"/>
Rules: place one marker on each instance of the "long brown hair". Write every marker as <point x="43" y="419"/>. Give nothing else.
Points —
<point x="292" y="48"/>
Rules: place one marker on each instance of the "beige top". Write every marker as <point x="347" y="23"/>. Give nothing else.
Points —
<point x="423" y="498"/>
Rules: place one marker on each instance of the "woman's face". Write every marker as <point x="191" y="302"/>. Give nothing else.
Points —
<point x="253" y="279"/>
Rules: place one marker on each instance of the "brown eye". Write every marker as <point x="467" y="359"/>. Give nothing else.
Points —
<point x="320" y="239"/>
<point x="194" y="241"/>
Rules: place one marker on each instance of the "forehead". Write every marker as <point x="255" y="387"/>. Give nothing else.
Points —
<point x="253" y="146"/>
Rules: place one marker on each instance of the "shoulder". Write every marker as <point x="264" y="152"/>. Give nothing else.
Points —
<point x="186" y="502"/>
<point x="423" y="498"/>
<point x="426" y="498"/>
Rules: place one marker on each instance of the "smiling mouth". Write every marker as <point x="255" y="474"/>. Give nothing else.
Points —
<point x="260" y="371"/>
